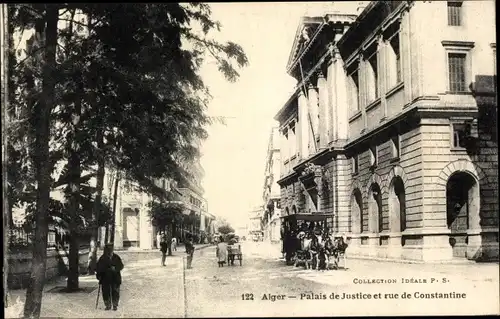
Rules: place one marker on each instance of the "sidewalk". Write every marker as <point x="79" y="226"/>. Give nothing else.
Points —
<point x="148" y="290"/>
<point x="180" y="247"/>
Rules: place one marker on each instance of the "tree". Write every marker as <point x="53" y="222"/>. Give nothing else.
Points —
<point x="225" y="229"/>
<point x="133" y="88"/>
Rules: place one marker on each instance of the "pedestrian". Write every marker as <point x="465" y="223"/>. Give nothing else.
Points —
<point x="189" y="250"/>
<point x="158" y="239"/>
<point x="174" y="244"/>
<point x="221" y="252"/>
<point x="109" y="269"/>
<point x="163" y="249"/>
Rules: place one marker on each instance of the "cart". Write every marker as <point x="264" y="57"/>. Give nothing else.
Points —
<point x="234" y="253"/>
<point x="295" y="223"/>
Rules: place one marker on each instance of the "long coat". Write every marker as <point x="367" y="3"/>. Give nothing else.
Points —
<point x="105" y="274"/>
<point x="221" y="252"/>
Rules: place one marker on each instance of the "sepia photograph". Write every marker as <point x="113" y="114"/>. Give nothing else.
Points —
<point x="250" y="159"/>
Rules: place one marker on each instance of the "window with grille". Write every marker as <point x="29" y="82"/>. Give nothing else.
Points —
<point x="454" y="13"/>
<point x="457" y="72"/>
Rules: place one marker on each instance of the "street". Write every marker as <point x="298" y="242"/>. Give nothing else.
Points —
<point x="264" y="286"/>
<point x="247" y="290"/>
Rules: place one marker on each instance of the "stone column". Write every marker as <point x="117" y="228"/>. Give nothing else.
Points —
<point x="118" y="242"/>
<point x="363" y="89"/>
<point x="291" y="144"/>
<point x="312" y="94"/>
<point x="145" y="229"/>
<point x="292" y="129"/>
<point x="282" y="149"/>
<point x="323" y="110"/>
<point x="341" y="107"/>
<point x="304" y="125"/>
<point x="384" y="73"/>
<point x="405" y="54"/>
<point x="202" y="222"/>
<point x="332" y="96"/>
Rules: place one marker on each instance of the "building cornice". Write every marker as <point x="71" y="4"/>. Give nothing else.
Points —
<point x="417" y="111"/>
<point x="284" y="109"/>
<point x="289" y="176"/>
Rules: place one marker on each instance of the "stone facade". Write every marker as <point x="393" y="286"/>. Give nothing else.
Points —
<point x="271" y="192"/>
<point x="411" y="141"/>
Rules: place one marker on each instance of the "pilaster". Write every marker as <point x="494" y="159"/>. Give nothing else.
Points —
<point x="323" y="110"/>
<point x="332" y="96"/>
<point x="118" y="240"/>
<point x="383" y="72"/>
<point x="341" y="107"/>
<point x="363" y="89"/>
<point x="145" y="227"/>
<point x="312" y="94"/>
<point x="304" y="125"/>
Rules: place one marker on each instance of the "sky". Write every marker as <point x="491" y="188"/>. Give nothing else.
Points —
<point x="234" y="154"/>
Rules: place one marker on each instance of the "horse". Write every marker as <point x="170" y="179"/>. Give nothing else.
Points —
<point x="305" y="254"/>
<point x="337" y="248"/>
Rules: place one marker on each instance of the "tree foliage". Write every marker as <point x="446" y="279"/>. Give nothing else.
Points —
<point x="163" y="214"/>
<point x="225" y="229"/>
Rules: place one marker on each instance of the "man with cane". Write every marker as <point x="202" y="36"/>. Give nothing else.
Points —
<point x="109" y="267"/>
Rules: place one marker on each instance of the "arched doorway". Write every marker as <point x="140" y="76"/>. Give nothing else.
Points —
<point x="462" y="202"/>
<point x="397" y="205"/>
<point x="375" y="208"/>
<point x="355" y="224"/>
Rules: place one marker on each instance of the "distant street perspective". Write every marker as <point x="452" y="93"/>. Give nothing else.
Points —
<point x="190" y="160"/>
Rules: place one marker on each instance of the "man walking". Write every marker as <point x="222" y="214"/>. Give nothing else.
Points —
<point x="109" y="269"/>
<point x="163" y="249"/>
<point x="189" y="250"/>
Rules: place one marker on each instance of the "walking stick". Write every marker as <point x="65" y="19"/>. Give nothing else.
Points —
<point x="98" y="291"/>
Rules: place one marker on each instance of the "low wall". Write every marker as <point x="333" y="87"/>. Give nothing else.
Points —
<point x="57" y="265"/>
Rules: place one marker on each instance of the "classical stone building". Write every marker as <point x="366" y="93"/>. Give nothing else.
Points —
<point x="255" y="227"/>
<point x="407" y="148"/>
<point x="271" y="192"/>
<point x="133" y="226"/>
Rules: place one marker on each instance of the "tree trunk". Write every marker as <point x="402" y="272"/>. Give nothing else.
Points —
<point x="97" y="206"/>
<point x="5" y="122"/>
<point x="74" y="168"/>
<point x="43" y="168"/>
<point x="74" y="209"/>
<point x="169" y="238"/>
<point x="99" y="179"/>
<point x="115" y="199"/>
<point x="106" y="233"/>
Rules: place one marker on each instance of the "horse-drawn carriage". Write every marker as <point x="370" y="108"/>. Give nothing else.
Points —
<point x="308" y="240"/>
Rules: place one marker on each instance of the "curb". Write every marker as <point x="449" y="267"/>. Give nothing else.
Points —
<point x="416" y="262"/>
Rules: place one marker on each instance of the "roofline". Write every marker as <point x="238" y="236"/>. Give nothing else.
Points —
<point x="285" y="106"/>
<point x="360" y="17"/>
<point x="289" y="65"/>
<point x="327" y="20"/>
